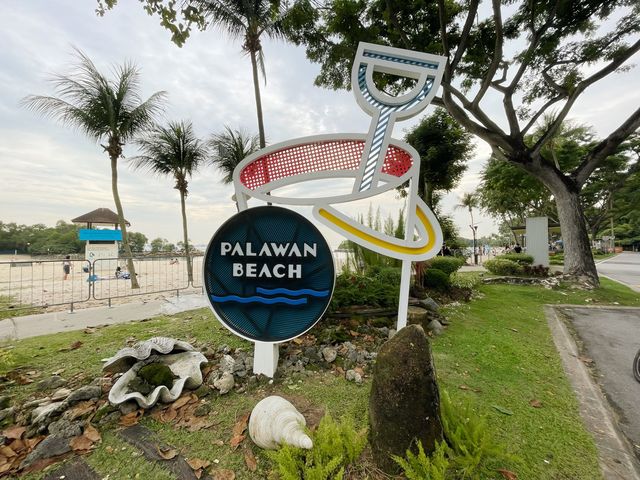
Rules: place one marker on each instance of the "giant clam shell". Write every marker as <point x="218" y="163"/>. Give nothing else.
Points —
<point x="185" y="365"/>
<point x="124" y="359"/>
<point x="274" y="421"/>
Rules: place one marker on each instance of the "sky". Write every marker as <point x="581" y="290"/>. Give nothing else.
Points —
<point x="51" y="172"/>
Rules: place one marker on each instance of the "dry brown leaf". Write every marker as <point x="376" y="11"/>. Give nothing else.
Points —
<point x="74" y="346"/>
<point x="80" y="443"/>
<point x="32" y="442"/>
<point x="359" y="370"/>
<point x="7" y="452"/>
<point x="535" y="403"/>
<point x="17" y="446"/>
<point x="182" y="401"/>
<point x="298" y="341"/>
<point x="131" y="418"/>
<point x="92" y="433"/>
<point x="14" y="432"/>
<point x="81" y="409"/>
<point x="167" y="452"/>
<point x="198" y="463"/>
<point x="238" y="430"/>
<point x="5" y="467"/>
<point x="109" y="449"/>
<point x="169" y="415"/>
<point x="223" y="474"/>
<point x="250" y="460"/>
<point x="219" y="443"/>
<point x="507" y="474"/>
<point x="199" y="423"/>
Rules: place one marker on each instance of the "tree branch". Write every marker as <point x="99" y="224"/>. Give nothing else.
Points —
<point x="497" y="54"/>
<point x="475" y="110"/>
<point x="581" y="87"/>
<point x="605" y="148"/>
<point x="541" y="111"/>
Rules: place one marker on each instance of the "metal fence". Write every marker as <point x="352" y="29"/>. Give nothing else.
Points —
<point x="42" y="283"/>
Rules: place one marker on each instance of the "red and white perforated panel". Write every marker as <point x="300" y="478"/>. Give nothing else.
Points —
<point x="324" y="156"/>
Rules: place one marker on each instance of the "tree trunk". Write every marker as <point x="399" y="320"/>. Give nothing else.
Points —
<point x="186" y="237"/>
<point x="256" y="91"/>
<point x="578" y="259"/>
<point x="123" y="226"/>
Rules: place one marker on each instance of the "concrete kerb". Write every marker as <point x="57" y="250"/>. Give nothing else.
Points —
<point x="27" y="326"/>
<point x="616" y="458"/>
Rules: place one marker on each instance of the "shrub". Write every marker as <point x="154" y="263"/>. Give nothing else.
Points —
<point x="469" y="280"/>
<point x="519" y="258"/>
<point x="380" y="287"/>
<point x="335" y="446"/>
<point x="448" y="265"/>
<point x="501" y="266"/>
<point x="469" y="451"/>
<point x="436" y="279"/>
<point x="536" y="270"/>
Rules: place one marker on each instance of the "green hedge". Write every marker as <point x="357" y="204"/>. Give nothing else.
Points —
<point x="437" y="279"/>
<point x="447" y="265"/>
<point x="503" y="266"/>
<point x="519" y="258"/>
<point x="379" y="287"/>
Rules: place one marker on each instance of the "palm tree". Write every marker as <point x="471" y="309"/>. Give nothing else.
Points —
<point x="248" y="20"/>
<point x="470" y="201"/>
<point x="105" y="109"/>
<point x="229" y="148"/>
<point x="173" y="150"/>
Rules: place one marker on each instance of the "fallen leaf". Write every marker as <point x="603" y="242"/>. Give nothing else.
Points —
<point x="223" y="474"/>
<point x="196" y="424"/>
<point x="298" y="341"/>
<point x="535" y="403"/>
<point x="250" y="460"/>
<point x="81" y="409"/>
<point x="359" y="370"/>
<point x="198" y="463"/>
<point x="238" y="430"/>
<point x="17" y="446"/>
<point x="169" y="415"/>
<point x="14" y="432"/>
<point x="502" y="410"/>
<point x="507" y="474"/>
<point x="131" y="418"/>
<point x="586" y="360"/>
<point x="74" y="346"/>
<point x="353" y="334"/>
<point x="80" y="443"/>
<point x="219" y="443"/>
<point x="58" y="372"/>
<point x="7" y="452"/>
<point x="32" y="442"/>
<point x="92" y="433"/>
<point x="167" y="452"/>
<point x="514" y="330"/>
<point x="89" y="330"/>
<point x="182" y="401"/>
<point x="464" y="387"/>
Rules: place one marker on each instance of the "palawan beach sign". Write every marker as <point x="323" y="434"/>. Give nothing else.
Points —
<point x="268" y="272"/>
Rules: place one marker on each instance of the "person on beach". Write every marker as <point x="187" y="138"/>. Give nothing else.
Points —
<point x="66" y="266"/>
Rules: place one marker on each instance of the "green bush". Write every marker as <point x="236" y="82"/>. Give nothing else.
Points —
<point x="447" y="265"/>
<point x="379" y="287"/>
<point x="335" y="446"/>
<point x="436" y="279"/>
<point x="502" y="266"/>
<point x="519" y="258"/>
<point x="469" y="451"/>
<point x="469" y="280"/>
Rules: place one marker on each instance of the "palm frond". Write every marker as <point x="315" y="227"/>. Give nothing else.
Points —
<point x="229" y="148"/>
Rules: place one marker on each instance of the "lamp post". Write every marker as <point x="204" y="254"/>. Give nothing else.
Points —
<point x="474" y="229"/>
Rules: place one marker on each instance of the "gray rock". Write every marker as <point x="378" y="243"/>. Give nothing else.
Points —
<point x="384" y="331"/>
<point x="65" y="428"/>
<point x="110" y="418"/>
<point x="60" y="394"/>
<point x="224" y="349"/>
<point x="329" y="354"/>
<point x="42" y="415"/>
<point x="37" y="402"/>
<point x="202" y="410"/>
<point x="392" y="333"/>
<point x="88" y="392"/>
<point x="56" y="381"/>
<point x="353" y="376"/>
<point x="240" y="373"/>
<point x="7" y="413"/>
<point x="225" y="383"/>
<point x="404" y="403"/>
<point x="435" y="327"/>
<point x="127" y="407"/>
<point x="227" y="364"/>
<point x="248" y="363"/>
<point x="312" y="354"/>
<point x="430" y="304"/>
<point x="51" y="446"/>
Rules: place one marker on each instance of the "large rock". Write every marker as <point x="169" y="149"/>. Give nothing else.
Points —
<point x="404" y="405"/>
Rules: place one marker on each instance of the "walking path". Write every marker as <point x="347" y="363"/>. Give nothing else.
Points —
<point x="54" y="322"/>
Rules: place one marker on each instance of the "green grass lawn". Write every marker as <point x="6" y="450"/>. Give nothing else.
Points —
<point x="497" y="354"/>
<point x="558" y="258"/>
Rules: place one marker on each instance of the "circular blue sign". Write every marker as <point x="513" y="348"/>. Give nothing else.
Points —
<point x="268" y="274"/>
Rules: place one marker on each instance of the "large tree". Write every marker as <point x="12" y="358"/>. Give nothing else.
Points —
<point x="444" y="148"/>
<point x="248" y="20"/>
<point x="174" y="150"/>
<point x="525" y="57"/>
<point x="108" y="110"/>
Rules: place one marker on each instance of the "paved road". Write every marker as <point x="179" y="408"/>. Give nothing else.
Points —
<point x="624" y="268"/>
<point x="611" y="337"/>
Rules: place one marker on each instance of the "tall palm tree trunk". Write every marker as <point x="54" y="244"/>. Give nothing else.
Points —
<point x="186" y="236"/>
<point x="123" y="226"/>
<point x="256" y="91"/>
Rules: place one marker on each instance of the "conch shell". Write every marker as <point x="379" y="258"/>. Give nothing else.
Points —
<point x="274" y="421"/>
